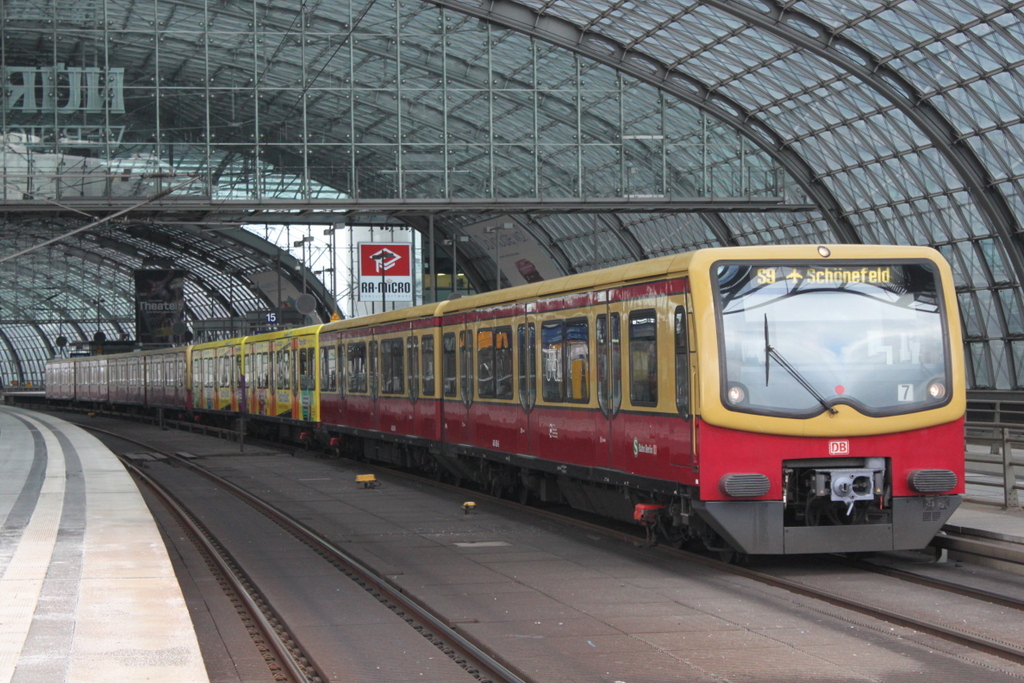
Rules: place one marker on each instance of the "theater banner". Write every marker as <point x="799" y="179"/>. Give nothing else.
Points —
<point x="159" y="303"/>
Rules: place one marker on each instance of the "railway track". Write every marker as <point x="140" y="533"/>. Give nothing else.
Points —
<point x="953" y="633"/>
<point x="475" y="659"/>
<point x="287" y="660"/>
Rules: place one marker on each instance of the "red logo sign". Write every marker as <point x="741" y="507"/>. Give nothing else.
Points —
<point x="839" y="447"/>
<point x="392" y="260"/>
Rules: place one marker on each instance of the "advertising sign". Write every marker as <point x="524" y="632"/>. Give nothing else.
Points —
<point x="159" y="304"/>
<point x="522" y="260"/>
<point x="385" y="272"/>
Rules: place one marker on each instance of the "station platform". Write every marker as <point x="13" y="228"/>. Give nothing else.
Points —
<point x="988" y="521"/>
<point x="982" y="512"/>
<point x="88" y="590"/>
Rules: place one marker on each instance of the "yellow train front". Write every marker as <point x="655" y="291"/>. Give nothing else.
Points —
<point x="831" y="398"/>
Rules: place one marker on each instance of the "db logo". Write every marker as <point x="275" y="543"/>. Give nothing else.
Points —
<point x="839" y="447"/>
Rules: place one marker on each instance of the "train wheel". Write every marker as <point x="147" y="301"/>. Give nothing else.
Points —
<point x="524" y="495"/>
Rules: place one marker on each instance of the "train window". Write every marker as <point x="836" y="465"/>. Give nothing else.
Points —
<point x="208" y="372"/>
<point x="236" y="375"/>
<point x="328" y="368"/>
<point x="197" y="373"/>
<point x="552" y="358"/>
<point x="392" y="366"/>
<point x="374" y="364"/>
<point x="283" y="370"/>
<point x="181" y="373"/>
<point x="682" y="363"/>
<point x="307" y="363"/>
<point x="466" y="364"/>
<point x="577" y="345"/>
<point x="412" y="347"/>
<point x="427" y="346"/>
<point x="494" y="362"/>
<point x="225" y="371"/>
<point x="643" y="357"/>
<point x="485" y="363"/>
<point x="448" y="370"/>
<point x="264" y="378"/>
<point x="503" y="362"/>
<point x="357" y="368"/>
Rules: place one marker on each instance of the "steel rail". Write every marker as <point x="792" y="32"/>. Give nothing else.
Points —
<point x="487" y="663"/>
<point x="284" y="655"/>
<point x="940" y="584"/>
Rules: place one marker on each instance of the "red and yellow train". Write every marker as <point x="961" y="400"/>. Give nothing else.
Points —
<point x="769" y="400"/>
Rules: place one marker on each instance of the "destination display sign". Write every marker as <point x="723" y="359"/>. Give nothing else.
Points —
<point x="871" y="275"/>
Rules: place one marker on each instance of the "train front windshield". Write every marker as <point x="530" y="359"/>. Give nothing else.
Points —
<point x="798" y="339"/>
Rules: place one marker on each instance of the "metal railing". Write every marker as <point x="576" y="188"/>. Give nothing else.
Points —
<point x="994" y="428"/>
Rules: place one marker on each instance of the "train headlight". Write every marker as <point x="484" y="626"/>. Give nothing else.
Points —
<point x="937" y="390"/>
<point x="736" y="394"/>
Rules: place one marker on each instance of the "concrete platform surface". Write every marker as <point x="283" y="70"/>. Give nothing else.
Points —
<point x="993" y="521"/>
<point x="87" y="591"/>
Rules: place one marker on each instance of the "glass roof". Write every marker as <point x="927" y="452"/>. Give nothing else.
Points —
<point x="901" y="121"/>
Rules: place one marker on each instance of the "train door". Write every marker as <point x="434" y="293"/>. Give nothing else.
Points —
<point x="284" y="375"/>
<point x="681" y="443"/>
<point x="608" y="332"/>
<point x="305" y="350"/>
<point x="237" y="379"/>
<point x="258" y="368"/>
<point x="209" y="379"/>
<point x="526" y="376"/>
<point x="223" y="379"/>
<point x="456" y="381"/>
<point x="373" y="367"/>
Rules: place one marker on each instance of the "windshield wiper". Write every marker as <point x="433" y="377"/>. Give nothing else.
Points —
<point x="770" y="353"/>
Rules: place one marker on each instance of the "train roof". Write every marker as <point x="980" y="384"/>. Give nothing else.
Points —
<point x="396" y="316"/>
<point x="628" y="273"/>
<point x="637" y="271"/>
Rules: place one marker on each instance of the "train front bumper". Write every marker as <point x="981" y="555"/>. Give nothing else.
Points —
<point x="756" y="527"/>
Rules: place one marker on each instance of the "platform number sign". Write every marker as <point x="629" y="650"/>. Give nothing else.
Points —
<point x="271" y="318"/>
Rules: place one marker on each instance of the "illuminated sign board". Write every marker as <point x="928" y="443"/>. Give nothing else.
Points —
<point x="871" y="275"/>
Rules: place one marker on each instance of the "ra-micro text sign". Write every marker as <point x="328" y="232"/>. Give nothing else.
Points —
<point x="385" y="272"/>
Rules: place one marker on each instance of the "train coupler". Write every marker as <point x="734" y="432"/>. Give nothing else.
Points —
<point x="647" y="516"/>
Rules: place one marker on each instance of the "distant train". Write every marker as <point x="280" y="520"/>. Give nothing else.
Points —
<point x="766" y="400"/>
